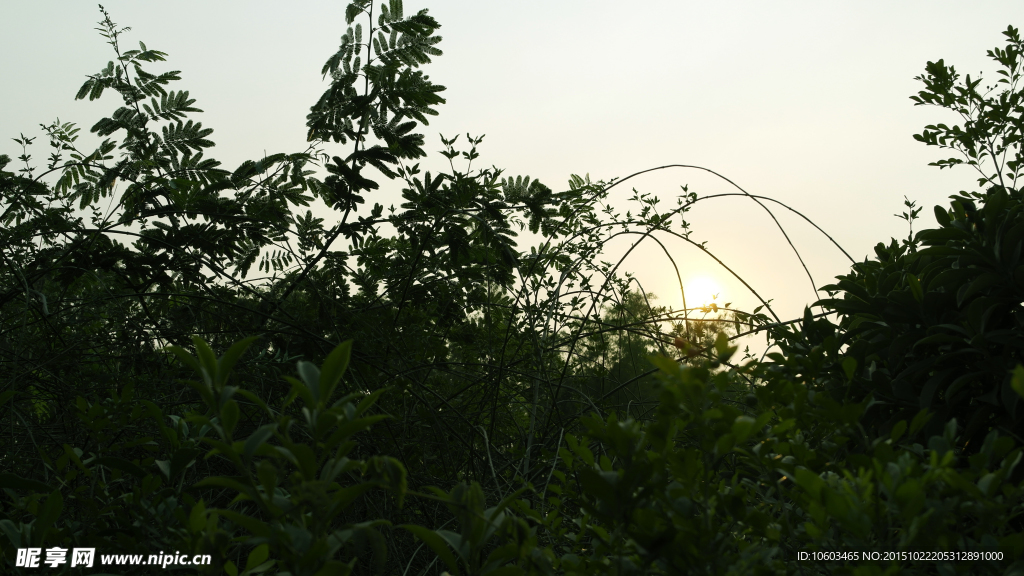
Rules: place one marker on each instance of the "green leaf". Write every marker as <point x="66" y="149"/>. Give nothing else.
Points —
<point x="48" y="514"/>
<point x="185" y="357"/>
<point x="742" y="427"/>
<point x="849" y="367"/>
<point x="369" y="400"/>
<point x="228" y="360"/>
<point x="258" y="556"/>
<point x="183" y="457"/>
<point x="809" y="481"/>
<point x="334" y="367"/>
<point x="11" y="531"/>
<point x="436" y="543"/>
<point x="207" y="359"/>
<point x="898" y="430"/>
<point x="260" y="436"/>
<point x="920" y="420"/>
<point x="165" y="467"/>
<point x="236" y="484"/>
<point x="299" y="389"/>
<point x="15" y="482"/>
<point x="310" y="375"/>
<point x="1017" y="381"/>
<point x="197" y="517"/>
<point x="915" y="287"/>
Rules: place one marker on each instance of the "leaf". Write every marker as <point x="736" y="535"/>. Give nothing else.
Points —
<point x="1017" y="381"/>
<point x="260" y="436"/>
<point x="185" y="357"/>
<point x="742" y="427"/>
<point x="181" y="460"/>
<point x="207" y="359"/>
<point x="849" y="367"/>
<point x="48" y="514"/>
<point x="11" y="531"/>
<point x="258" y="556"/>
<point x="228" y="360"/>
<point x="15" y="482"/>
<point x="979" y="284"/>
<point x="197" y="517"/>
<point x="915" y="287"/>
<point x="436" y="543"/>
<point x="121" y="464"/>
<point x="809" y="481"/>
<point x="310" y="375"/>
<point x="898" y="430"/>
<point x="235" y="484"/>
<point x="334" y="367"/>
<point x="165" y="467"/>
<point x="920" y="420"/>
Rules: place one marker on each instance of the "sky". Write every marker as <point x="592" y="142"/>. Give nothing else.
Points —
<point x="806" y="102"/>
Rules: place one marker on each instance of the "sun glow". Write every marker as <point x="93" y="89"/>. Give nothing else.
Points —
<point x="702" y="291"/>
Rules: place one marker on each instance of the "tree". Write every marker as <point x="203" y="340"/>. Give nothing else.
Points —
<point x="464" y="327"/>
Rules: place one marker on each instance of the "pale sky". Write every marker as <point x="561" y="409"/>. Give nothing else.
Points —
<point x="805" y="102"/>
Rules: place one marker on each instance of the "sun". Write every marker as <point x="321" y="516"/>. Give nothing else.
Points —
<point x="702" y="291"/>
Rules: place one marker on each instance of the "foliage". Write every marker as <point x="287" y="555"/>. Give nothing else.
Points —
<point x="475" y="335"/>
<point x="714" y="486"/>
<point x="992" y="124"/>
<point x="288" y="498"/>
<point x="936" y="322"/>
<point x="508" y="416"/>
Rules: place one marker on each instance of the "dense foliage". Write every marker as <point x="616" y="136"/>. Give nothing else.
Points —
<point x="465" y="403"/>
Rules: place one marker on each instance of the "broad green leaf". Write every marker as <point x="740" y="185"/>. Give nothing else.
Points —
<point x="48" y="514"/>
<point x="437" y="544"/>
<point x="11" y="531"/>
<point x="185" y="357"/>
<point x="182" y="459"/>
<point x="207" y="359"/>
<point x="849" y="367"/>
<point x="809" y="481"/>
<point x="334" y="367"/>
<point x="165" y="467"/>
<point x="15" y="482"/>
<point x="197" y="517"/>
<point x="261" y="435"/>
<point x="742" y="427"/>
<point x="228" y="360"/>
<point x="915" y="287"/>
<point x="258" y="556"/>
<point x="920" y="420"/>
<point x="311" y="378"/>
<point x="898" y="430"/>
<point x="1017" y="381"/>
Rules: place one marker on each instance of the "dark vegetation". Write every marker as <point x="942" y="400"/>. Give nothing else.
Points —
<point x="470" y="402"/>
